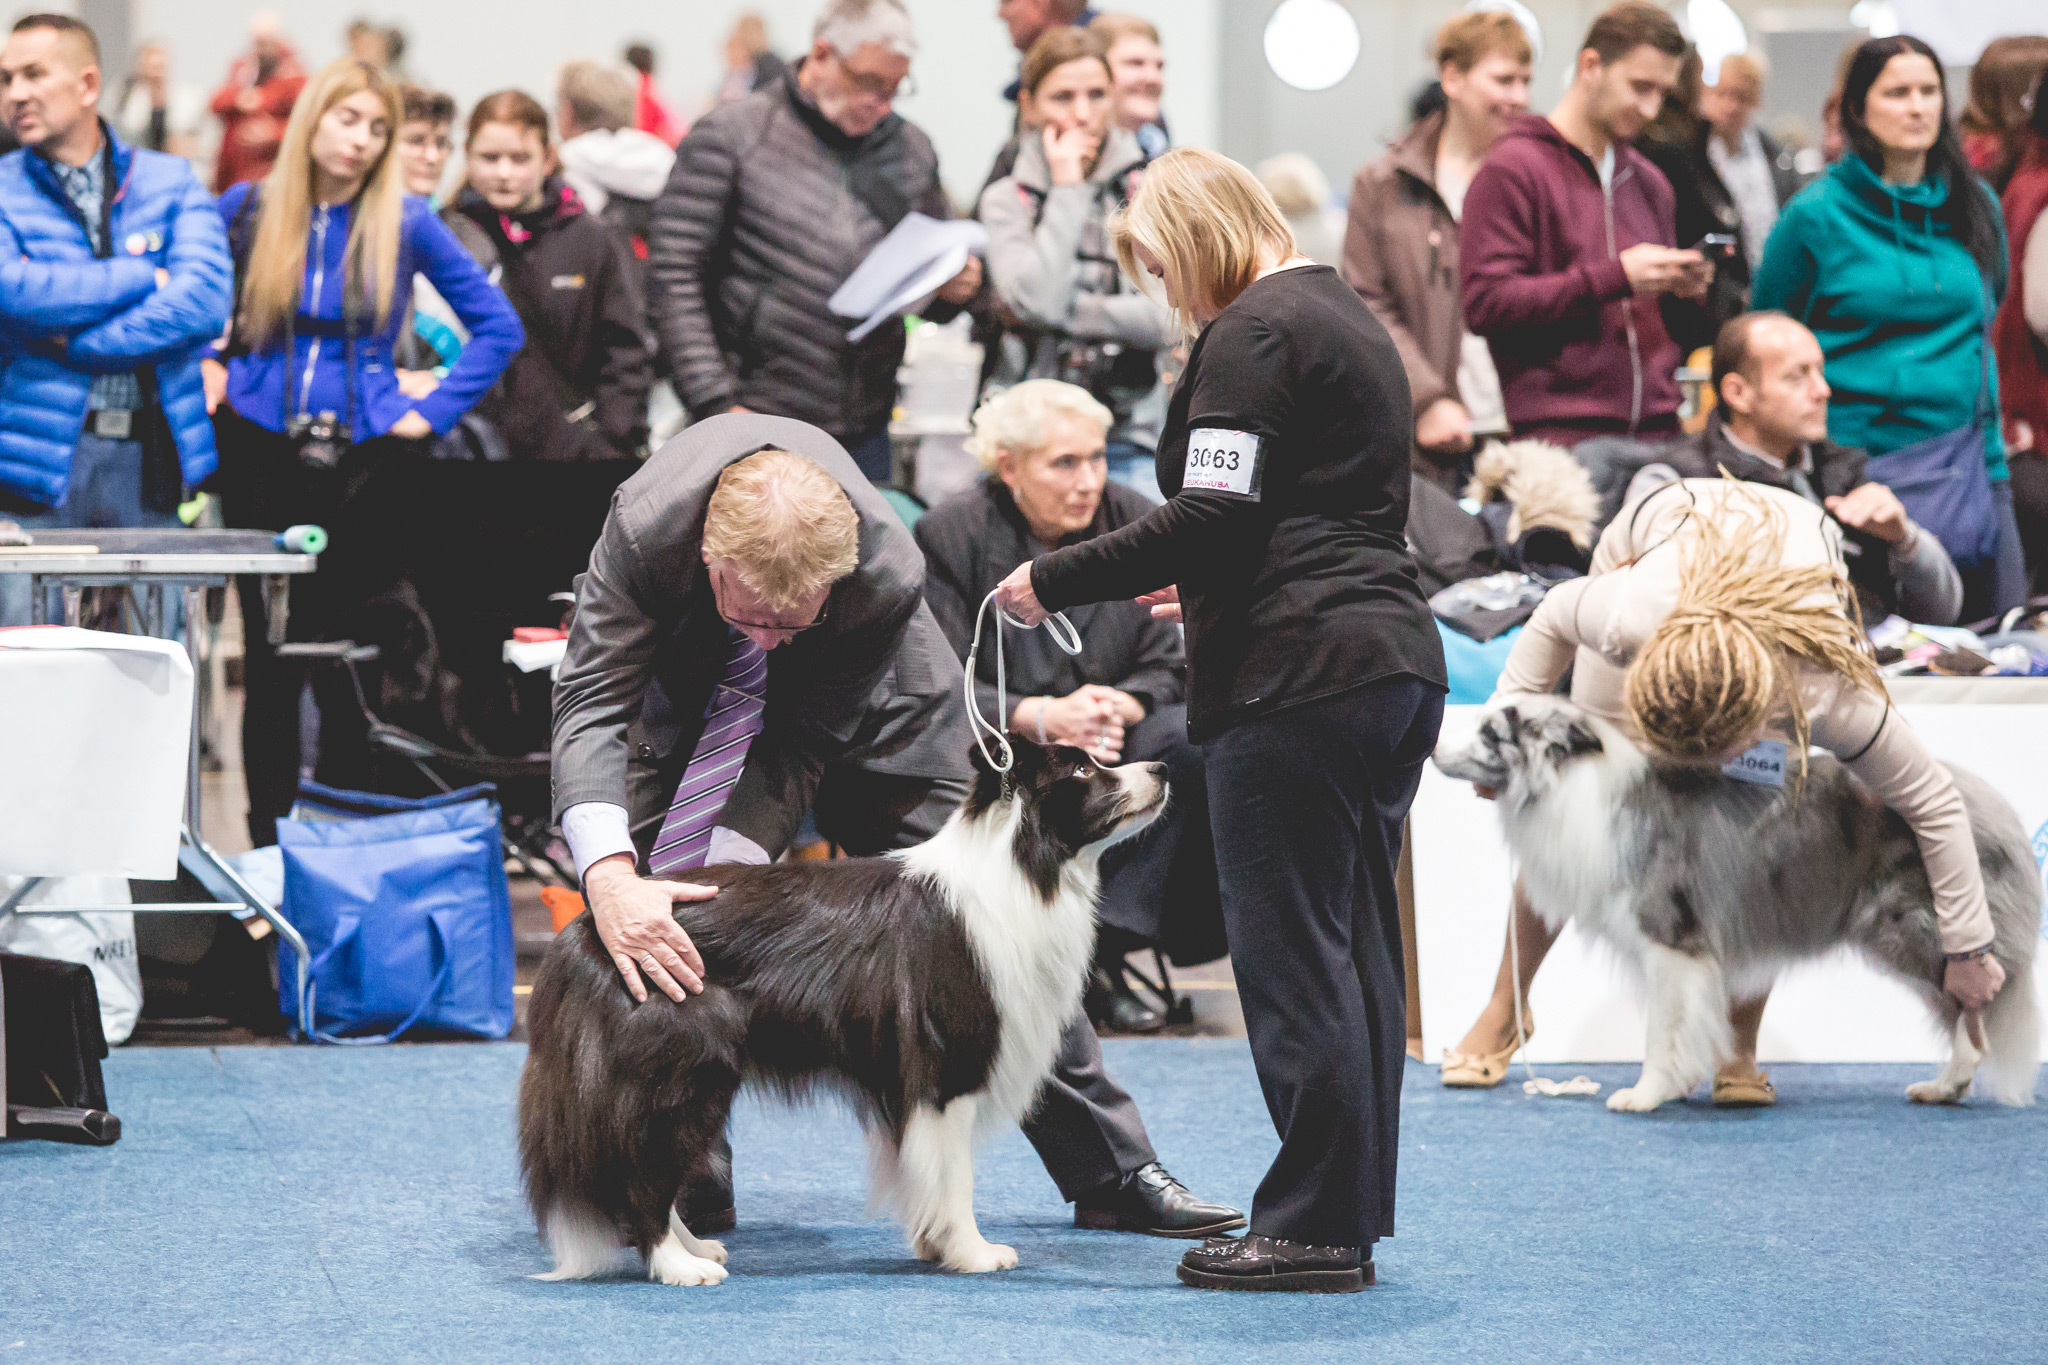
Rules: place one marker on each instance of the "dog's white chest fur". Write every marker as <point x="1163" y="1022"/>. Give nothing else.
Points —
<point x="1035" y="955"/>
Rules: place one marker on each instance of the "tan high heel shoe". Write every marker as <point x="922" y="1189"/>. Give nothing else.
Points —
<point x="1481" y="1070"/>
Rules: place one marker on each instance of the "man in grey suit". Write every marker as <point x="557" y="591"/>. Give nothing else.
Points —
<point x="856" y="722"/>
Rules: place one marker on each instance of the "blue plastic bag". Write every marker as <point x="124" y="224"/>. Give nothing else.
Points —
<point x="406" y="913"/>
<point x="1474" y="669"/>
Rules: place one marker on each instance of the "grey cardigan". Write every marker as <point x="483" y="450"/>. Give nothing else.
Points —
<point x="647" y="645"/>
<point x="1049" y="261"/>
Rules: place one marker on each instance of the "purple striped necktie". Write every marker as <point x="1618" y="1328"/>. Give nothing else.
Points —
<point x="731" y="721"/>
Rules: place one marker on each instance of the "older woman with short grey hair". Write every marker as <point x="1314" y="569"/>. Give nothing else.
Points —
<point x="1042" y="444"/>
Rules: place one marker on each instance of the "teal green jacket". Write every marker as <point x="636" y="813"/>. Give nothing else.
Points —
<point x="1897" y="302"/>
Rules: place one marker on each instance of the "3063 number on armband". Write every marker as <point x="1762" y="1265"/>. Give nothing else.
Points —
<point x="1223" y="461"/>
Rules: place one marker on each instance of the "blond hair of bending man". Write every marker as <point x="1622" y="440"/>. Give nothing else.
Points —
<point x="1714" y="617"/>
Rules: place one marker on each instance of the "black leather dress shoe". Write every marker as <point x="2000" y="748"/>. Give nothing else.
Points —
<point x="1150" y="1201"/>
<point x="1113" y="1007"/>
<point x="1254" y="1262"/>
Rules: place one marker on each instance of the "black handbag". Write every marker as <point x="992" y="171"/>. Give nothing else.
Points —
<point x="52" y="1045"/>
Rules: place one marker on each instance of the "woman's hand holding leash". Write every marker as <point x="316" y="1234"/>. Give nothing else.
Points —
<point x="635" y="917"/>
<point x="1018" y="598"/>
<point x="1165" y="603"/>
<point x="1973" y="981"/>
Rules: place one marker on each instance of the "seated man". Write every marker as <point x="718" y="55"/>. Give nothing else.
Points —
<point x="1043" y="443"/>
<point x="1771" y="426"/>
<point x="750" y="642"/>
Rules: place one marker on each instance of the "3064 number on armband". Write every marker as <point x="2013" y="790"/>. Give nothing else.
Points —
<point x="1223" y="461"/>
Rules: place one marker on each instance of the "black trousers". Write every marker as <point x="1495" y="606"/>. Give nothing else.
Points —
<point x="1159" y="888"/>
<point x="1307" y="805"/>
<point x="360" y="501"/>
<point x="1085" y="1127"/>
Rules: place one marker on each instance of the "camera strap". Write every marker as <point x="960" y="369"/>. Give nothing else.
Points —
<point x="1063" y="634"/>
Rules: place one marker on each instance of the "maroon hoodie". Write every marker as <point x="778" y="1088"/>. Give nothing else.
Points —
<point x="1540" y="247"/>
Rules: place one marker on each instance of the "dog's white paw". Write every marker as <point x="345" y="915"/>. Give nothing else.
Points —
<point x="1634" y="1100"/>
<point x="982" y="1257"/>
<point x="925" y="1249"/>
<point x="1935" y="1092"/>
<point x="708" y="1250"/>
<point x="670" y="1264"/>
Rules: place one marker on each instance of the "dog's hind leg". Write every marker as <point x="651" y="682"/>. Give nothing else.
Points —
<point x="935" y="1181"/>
<point x="678" y="1256"/>
<point x="1687" y="1031"/>
<point x="1954" y="1081"/>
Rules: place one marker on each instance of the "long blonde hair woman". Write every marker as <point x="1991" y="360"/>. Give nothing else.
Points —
<point x="275" y="274"/>
<point x="326" y="248"/>
<point x="1716" y="619"/>
<point x="1316" y="682"/>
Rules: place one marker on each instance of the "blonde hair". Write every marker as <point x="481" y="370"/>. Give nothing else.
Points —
<point x="1113" y="28"/>
<point x="277" y="259"/>
<point x="1019" y="418"/>
<point x="787" y="526"/>
<point x="1208" y="220"/>
<point x="1726" y="658"/>
<point x="1296" y="183"/>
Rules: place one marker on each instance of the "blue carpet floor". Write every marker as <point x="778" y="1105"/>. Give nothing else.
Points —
<point x="287" y="1204"/>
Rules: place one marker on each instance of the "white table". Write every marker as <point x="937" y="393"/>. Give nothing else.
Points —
<point x="149" y="565"/>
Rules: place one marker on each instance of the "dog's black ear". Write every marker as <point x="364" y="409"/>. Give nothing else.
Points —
<point x="1570" y="736"/>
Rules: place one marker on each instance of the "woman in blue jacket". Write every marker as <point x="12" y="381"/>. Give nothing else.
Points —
<point x="315" y="426"/>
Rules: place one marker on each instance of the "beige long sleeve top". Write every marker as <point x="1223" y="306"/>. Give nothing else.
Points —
<point x="1600" y="621"/>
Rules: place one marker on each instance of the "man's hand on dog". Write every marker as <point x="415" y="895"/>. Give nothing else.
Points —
<point x="635" y="918"/>
<point x="1974" y="981"/>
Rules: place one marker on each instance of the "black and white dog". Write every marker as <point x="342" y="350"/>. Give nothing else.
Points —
<point x="929" y="988"/>
<point x="1707" y="885"/>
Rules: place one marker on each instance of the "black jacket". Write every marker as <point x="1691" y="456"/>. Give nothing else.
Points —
<point x="768" y="210"/>
<point x="1703" y="205"/>
<point x="973" y="539"/>
<point x="1296" y="584"/>
<point x="1833" y="471"/>
<point x="577" y="390"/>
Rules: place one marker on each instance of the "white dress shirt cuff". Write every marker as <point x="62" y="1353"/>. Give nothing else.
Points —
<point x="728" y="847"/>
<point x="594" y="830"/>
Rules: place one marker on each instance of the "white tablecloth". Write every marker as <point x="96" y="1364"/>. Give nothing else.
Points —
<point x="95" y="733"/>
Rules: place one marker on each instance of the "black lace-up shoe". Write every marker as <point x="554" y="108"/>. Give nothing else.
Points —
<point x="1150" y="1201"/>
<point x="1254" y="1262"/>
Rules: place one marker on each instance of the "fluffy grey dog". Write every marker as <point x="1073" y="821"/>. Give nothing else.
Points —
<point x="1707" y="885"/>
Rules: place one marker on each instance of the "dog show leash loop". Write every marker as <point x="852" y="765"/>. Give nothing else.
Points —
<point x="1535" y="1085"/>
<point x="1063" y="634"/>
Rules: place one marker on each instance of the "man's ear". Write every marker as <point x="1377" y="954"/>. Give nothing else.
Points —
<point x="1737" y="394"/>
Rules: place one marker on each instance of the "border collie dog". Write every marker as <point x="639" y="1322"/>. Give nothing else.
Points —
<point x="929" y="988"/>
<point x="1706" y="885"/>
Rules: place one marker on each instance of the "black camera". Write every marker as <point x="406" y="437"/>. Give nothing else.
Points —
<point x="1721" y="244"/>
<point x="320" y="440"/>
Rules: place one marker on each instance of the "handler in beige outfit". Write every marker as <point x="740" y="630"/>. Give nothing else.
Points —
<point x="1711" y="610"/>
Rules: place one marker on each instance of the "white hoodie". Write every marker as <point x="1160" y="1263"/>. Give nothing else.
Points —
<point x="626" y="161"/>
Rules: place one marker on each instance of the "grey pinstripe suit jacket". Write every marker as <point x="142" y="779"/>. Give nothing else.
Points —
<point x="871" y="685"/>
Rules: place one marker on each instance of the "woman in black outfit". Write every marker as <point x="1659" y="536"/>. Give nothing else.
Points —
<point x="1316" y="686"/>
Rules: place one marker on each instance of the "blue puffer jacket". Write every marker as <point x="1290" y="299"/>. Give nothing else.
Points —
<point x="317" y="369"/>
<point x="108" y="313"/>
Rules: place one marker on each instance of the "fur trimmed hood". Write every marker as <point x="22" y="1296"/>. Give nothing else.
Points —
<point x="1543" y="485"/>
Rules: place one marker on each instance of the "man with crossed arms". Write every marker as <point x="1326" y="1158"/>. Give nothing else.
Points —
<point x="750" y="642"/>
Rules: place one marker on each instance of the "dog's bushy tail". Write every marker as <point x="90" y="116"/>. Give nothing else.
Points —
<point x="2012" y="1033"/>
<point x="619" y="1105"/>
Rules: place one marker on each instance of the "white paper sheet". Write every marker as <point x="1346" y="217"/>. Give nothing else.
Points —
<point x="95" y="733"/>
<point x="920" y="254"/>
